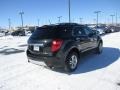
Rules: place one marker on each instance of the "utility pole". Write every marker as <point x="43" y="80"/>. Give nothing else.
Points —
<point x="116" y="19"/>
<point x="112" y="16"/>
<point x="9" y="23"/>
<point x="81" y="20"/>
<point x="59" y="19"/>
<point x="119" y="21"/>
<point x="97" y="13"/>
<point x="49" y="21"/>
<point x="21" y="14"/>
<point x="69" y="7"/>
<point x="38" y="22"/>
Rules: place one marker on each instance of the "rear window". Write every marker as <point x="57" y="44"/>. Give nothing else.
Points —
<point x="51" y="32"/>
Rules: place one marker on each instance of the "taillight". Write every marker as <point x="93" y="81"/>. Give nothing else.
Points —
<point x="56" y="44"/>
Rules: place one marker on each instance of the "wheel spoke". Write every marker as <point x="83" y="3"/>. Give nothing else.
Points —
<point x="73" y="61"/>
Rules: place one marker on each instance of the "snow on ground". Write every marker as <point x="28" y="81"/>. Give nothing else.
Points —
<point x="95" y="72"/>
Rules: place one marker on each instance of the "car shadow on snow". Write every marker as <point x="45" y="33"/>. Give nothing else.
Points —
<point x="9" y="51"/>
<point x="90" y="61"/>
<point x="3" y="47"/>
<point x="23" y="45"/>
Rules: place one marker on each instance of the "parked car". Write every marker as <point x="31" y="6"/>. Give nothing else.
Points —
<point x="61" y="45"/>
<point x="2" y="34"/>
<point x="117" y="28"/>
<point x="110" y="29"/>
<point x="18" y="33"/>
<point x="101" y="31"/>
<point x="28" y="33"/>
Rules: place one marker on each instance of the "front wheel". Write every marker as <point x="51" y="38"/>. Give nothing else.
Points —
<point x="71" y="62"/>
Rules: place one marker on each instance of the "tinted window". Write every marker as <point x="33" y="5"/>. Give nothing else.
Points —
<point x="77" y="31"/>
<point x="51" y="32"/>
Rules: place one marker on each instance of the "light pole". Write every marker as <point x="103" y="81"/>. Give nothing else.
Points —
<point x="81" y="20"/>
<point x="38" y="22"/>
<point x="116" y="19"/>
<point x="119" y="21"/>
<point x="97" y="13"/>
<point x="9" y="23"/>
<point x="112" y="16"/>
<point x="21" y="14"/>
<point x="49" y="21"/>
<point x="59" y="19"/>
<point x="69" y="8"/>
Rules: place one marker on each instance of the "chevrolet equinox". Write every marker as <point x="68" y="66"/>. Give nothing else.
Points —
<point x="60" y="45"/>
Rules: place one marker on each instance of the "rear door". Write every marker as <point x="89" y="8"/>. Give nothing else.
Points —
<point x="81" y="38"/>
<point x="92" y="38"/>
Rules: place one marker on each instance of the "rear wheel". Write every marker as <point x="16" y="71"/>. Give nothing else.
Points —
<point x="71" y="62"/>
<point x="49" y="65"/>
<point x="99" y="48"/>
<point x="28" y="60"/>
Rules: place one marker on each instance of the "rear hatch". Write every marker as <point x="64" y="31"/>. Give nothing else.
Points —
<point x="47" y="40"/>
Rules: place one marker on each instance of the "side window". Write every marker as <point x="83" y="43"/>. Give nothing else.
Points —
<point x="87" y="30"/>
<point x="77" y="31"/>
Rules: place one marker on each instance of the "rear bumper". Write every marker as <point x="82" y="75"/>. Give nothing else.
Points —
<point x="54" y="61"/>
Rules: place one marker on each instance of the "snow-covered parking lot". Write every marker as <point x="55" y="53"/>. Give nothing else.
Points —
<point x="95" y="72"/>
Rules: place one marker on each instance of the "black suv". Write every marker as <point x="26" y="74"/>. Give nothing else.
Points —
<point x="60" y="45"/>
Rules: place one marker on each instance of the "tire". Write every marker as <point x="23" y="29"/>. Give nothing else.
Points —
<point x="71" y="62"/>
<point x="28" y="60"/>
<point x="48" y="65"/>
<point x="99" y="48"/>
